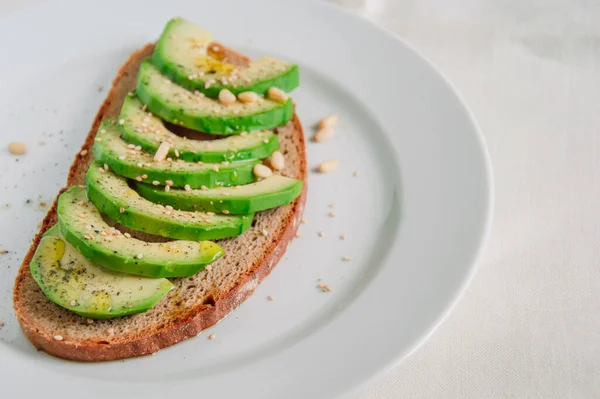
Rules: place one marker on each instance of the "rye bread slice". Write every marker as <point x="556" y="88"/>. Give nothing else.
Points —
<point x="196" y="302"/>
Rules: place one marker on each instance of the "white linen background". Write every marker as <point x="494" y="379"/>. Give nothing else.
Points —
<point x="528" y="326"/>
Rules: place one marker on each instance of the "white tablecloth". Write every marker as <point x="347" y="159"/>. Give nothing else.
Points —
<point x="529" y="324"/>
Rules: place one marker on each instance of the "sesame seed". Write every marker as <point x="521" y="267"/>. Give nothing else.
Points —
<point x="105" y="167"/>
<point x="225" y="211"/>
<point x="304" y="221"/>
<point x="187" y="187"/>
<point x="90" y="321"/>
<point x="58" y="337"/>
<point x="331" y="214"/>
<point x="131" y="146"/>
<point x="343" y="236"/>
<point x="321" y="234"/>
<point x="121" y="121"/>
<point x="346" y="259"/>
<point x="169" y="207"/>
<point x="83" y="153"/>
<point x="215" y="168"/>
<point x="176" y="152"/>
<point x="356" y="173"/>
<point x="140" y="256"/>
<point x="200" y="163"/>
<point x="138" y="178"/>
<point x="264" y="232"/>
<point x="299" y="235"/>
<point x="127" y="235"/>
<point x="212" y="336"/>
<point x="97" y="139"/>
<point x="138" y="148"/>
<point x="1" y="324"/>
<point x="122" y="210"/>
<point x="73" y="302"/>
<point x="203" y="188"/>
<point x="271" y="298"/>
<point x="167" y="188"/>
<point x="332" y="205"/>
<point x="3" y="251"/>
<point x="144" y="176"/>
<point x="169" y="182"/>
<point x="324" y="287"/>
<point x="156" y="182"/>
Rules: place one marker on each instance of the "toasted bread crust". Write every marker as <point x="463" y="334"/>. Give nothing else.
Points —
<point x="202" y="316"/>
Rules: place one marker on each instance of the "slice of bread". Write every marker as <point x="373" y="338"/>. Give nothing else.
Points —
<point x="196" y="302"/>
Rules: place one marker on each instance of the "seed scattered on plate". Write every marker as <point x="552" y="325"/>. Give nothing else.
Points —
<point x="17" y="148"/>
<point x="304" y="221"/>
<point x="356" y="173"/>
<point x="328" y="121"/>
<point x="324" y="134"/>
<point x="343" y="236"/>
<point x="324" y="287"/>
<point x="321" y="234"/>
<point x="346" y="259"/>
<point x="331" y="214"/>
<point x="3" y="251"/>
<point x="328" y="166"/>
<point x="299" y="235"/>
<point x="271" y="298"/>
<point x="212" y="336"/>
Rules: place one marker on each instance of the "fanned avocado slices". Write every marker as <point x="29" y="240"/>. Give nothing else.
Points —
<point x="146" y="130"/>
<point x="82" y="226"/>
<point x="114" y="198"/>
<point x="195" y="111"/>
<point x="125" y="160"/>
<point x="69" y="280"/>
<point x="264" y="194"/>
<point x="181" y="55"/>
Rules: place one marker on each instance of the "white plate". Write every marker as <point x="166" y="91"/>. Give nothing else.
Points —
<point x="415" y="218"/>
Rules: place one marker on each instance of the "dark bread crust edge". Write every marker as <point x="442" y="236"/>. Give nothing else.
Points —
<point x="202" y="317"/>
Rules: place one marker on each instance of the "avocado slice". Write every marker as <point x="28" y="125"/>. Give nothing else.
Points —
<point x="179" y="106"/>
<point x="82" y="226"/>
<point x="114" y="198"/>
<point x="146" y="130"/>
<point x="264" y="194"/>
<point x="120" y="157"/>
<point x="74" y="283"/>
<point x="180" y="54"/>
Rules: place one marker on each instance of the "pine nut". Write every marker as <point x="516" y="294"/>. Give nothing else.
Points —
<point x="262" y="171"/>
<point x="248" y="97"/>
<point x="324" y="134"/>
<point x="276" y="94"/>
<point x="328" y="121"/>
<point x="17" y="148"/>
<point x="226" y="97"/>
<point x="162" y="152"/>
<point x="328" y="166"/>
<point x="277" y="160"/>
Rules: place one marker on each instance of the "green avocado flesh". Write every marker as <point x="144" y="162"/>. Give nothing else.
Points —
<point x="264" y="194"/>
<point x="110" y="149"/>
<point x="179" y="106"/>
<point x="146" y="130"/>
<point x="180" y="55"/>
<point x="82" y="226"/>
<point x="75" y="283"/>
<point x="114" y="198"/>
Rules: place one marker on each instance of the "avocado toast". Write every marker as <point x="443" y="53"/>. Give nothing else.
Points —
<point x="194" y="302"/>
